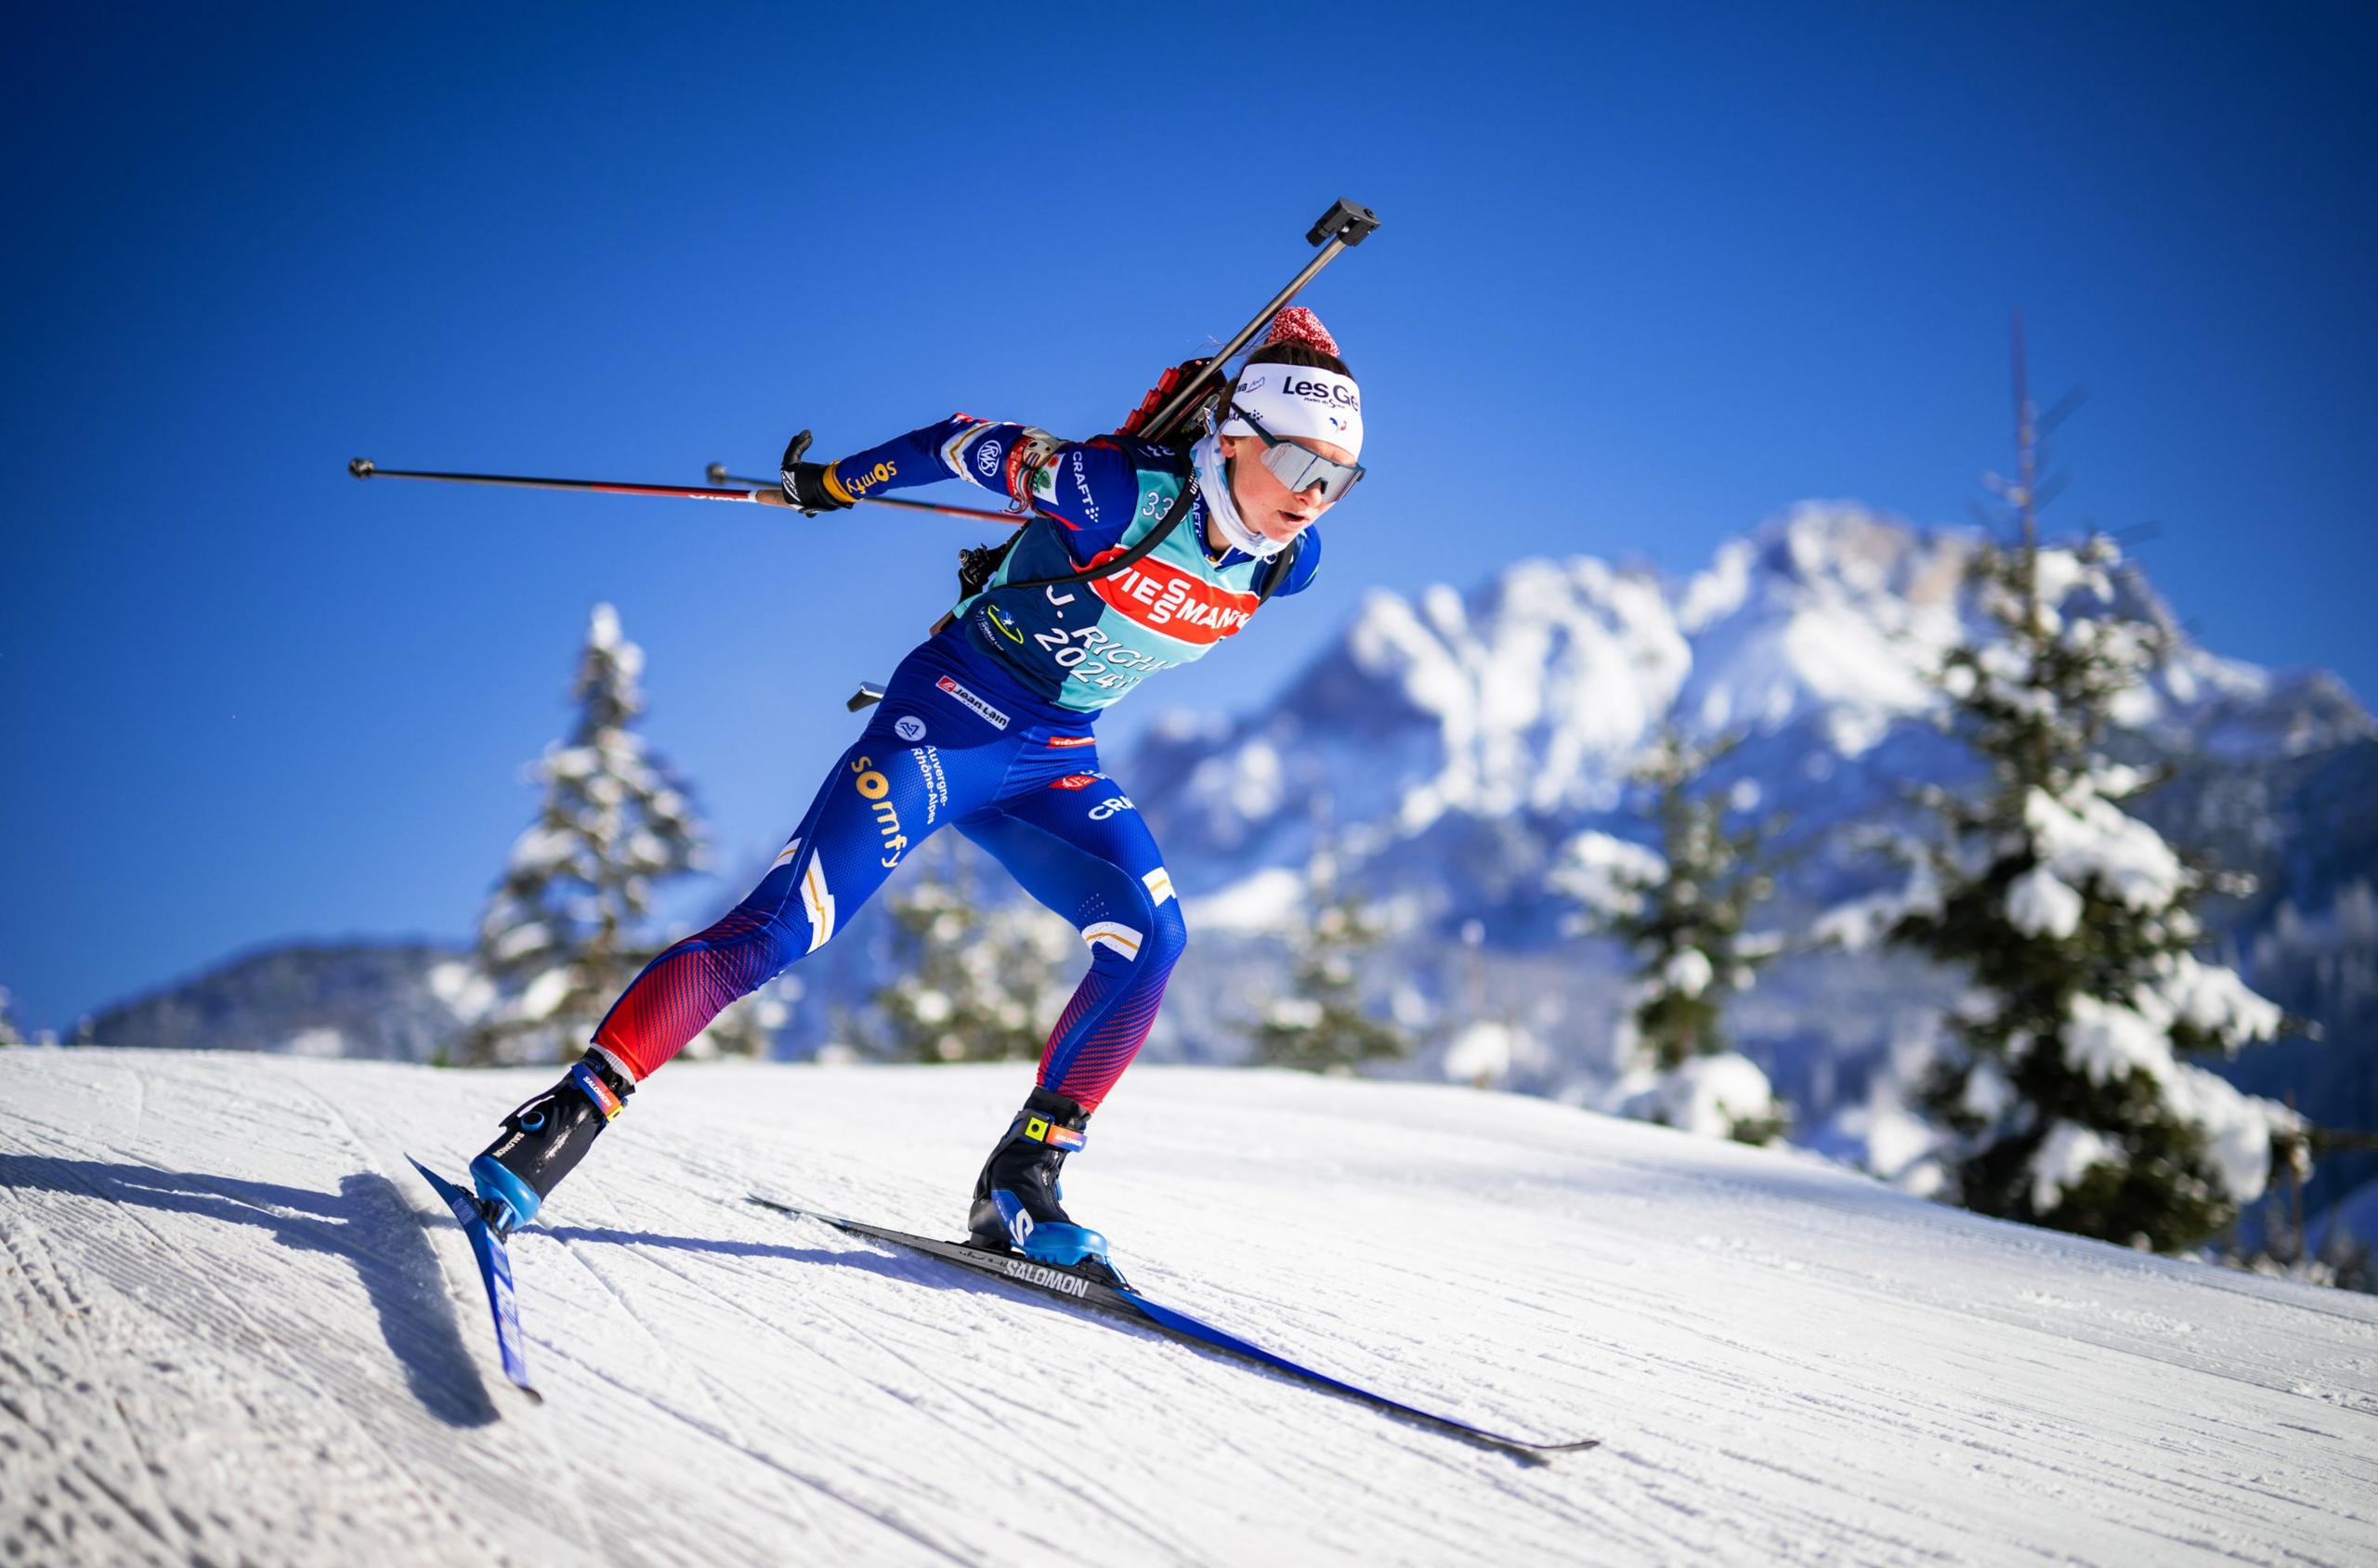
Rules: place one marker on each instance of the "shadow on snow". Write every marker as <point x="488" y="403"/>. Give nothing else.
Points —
<point x="909" y="1268"/>
<point x="365" y="1223"/>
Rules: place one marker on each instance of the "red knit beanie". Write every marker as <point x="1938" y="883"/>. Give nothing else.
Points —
<point x="1296" y="324"/>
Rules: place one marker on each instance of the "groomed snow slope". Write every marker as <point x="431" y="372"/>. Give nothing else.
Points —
<point x="233" y="1327"/>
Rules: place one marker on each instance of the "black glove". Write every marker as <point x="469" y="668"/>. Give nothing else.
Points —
<point x="804" y="483"/>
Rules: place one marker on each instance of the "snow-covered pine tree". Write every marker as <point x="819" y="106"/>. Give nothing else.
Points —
<point x="9" y="1033"/>
<point x="981" y="981"/>
<point x="562" y="933"/>
<point x="1321" y="1024"/>
<point x="1680" y="910"/>
<point x="2065" y="1095"/>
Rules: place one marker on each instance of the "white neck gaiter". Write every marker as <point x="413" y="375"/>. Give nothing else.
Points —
<point x="1213" y="482"/>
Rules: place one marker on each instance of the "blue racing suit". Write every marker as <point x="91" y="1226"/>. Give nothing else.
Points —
<point x="986" y="726"/>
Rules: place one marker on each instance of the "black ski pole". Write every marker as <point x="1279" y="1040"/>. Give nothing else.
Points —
<point x="759" y="492"/>
<point x="768" y="496"/>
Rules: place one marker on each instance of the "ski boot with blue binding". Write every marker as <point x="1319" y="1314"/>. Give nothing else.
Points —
<point x="1018" y="1204"/>
<point x="544" y="1141"/>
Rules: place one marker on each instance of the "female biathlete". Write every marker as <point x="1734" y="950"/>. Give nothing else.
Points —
<point x="987" y="726"/>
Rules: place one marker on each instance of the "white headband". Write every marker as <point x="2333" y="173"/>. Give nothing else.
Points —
<point x="1299" y="400"/>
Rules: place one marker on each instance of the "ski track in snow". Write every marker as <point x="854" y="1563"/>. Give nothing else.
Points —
<point x="234" y="1327"/>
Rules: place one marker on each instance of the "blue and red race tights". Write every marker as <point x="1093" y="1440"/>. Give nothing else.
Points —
<point x="949" y="746"/>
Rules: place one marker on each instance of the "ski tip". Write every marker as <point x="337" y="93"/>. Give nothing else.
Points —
<point x="1542" y="1453"/>
<point x="438" y="1184"/>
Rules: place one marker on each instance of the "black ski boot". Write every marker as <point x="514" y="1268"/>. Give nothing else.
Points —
<point x="1018" y="1203"/>
<point x="544" y="1141"/>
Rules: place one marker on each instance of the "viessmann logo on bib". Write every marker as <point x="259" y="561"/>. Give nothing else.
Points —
<point x="1181" y="605"/>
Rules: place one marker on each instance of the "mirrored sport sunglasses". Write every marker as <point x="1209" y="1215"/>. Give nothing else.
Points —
<point x="1301" y="467"/>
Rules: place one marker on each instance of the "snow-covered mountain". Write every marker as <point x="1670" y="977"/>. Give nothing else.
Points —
<point x="1530" y="698"/>
<point x="1449" y="747"/>
<point x="234" y="1328"/>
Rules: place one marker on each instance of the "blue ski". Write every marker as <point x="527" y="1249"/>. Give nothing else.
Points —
<point x="1092" y="1286"/>
<point x="495" y="1272"/>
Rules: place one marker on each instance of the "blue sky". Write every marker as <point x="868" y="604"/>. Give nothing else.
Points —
<point x="1642" y="280"/>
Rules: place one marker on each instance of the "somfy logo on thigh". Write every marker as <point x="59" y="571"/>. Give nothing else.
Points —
<point x="875" y="789"/>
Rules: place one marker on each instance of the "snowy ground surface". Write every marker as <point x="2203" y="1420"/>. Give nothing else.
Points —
<point x="233" y="1327"/>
